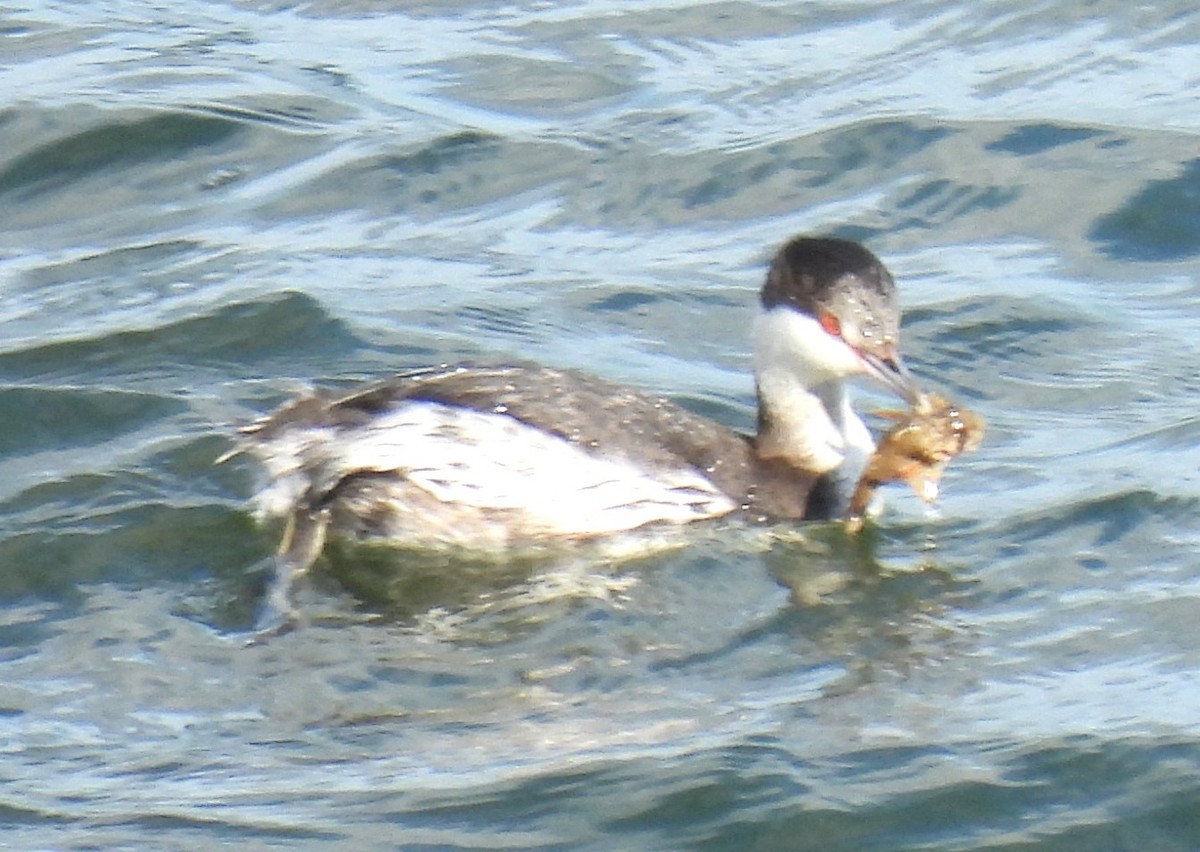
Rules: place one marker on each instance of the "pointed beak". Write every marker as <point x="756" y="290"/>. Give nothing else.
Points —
<point x="886" y="367"/>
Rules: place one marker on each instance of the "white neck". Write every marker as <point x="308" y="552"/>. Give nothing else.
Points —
<point x="801" y="372"/>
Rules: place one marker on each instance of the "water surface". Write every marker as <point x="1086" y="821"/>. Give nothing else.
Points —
<point x="204" y="207"/>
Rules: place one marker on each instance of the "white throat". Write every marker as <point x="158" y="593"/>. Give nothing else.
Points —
<point x="801" y="372"/>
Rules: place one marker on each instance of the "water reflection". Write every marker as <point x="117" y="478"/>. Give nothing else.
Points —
<point x="844" y="609"/>
<point x="1159" y="223"/>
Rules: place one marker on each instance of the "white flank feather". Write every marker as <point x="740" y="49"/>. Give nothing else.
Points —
<point x="490" y="461"/>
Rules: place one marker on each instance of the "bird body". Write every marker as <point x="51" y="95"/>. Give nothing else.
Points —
<point x="496" y="457"/>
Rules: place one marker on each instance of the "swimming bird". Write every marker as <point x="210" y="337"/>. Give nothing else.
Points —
<point x="498" y="457"/>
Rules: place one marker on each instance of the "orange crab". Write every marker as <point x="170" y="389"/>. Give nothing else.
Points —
<point x="916" y="450"/>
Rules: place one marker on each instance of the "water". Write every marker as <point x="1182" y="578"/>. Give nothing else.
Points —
<point x="205" y="205"/>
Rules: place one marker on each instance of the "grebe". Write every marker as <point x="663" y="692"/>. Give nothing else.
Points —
<point x="498" y="457"/>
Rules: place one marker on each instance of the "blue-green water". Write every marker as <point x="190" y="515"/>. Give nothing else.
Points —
<point x="204" y="205"/>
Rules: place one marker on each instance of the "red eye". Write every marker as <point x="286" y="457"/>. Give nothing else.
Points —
<point x="831" y="324"/>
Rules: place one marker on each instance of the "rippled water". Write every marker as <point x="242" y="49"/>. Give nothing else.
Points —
<point x="204" y="205"/>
